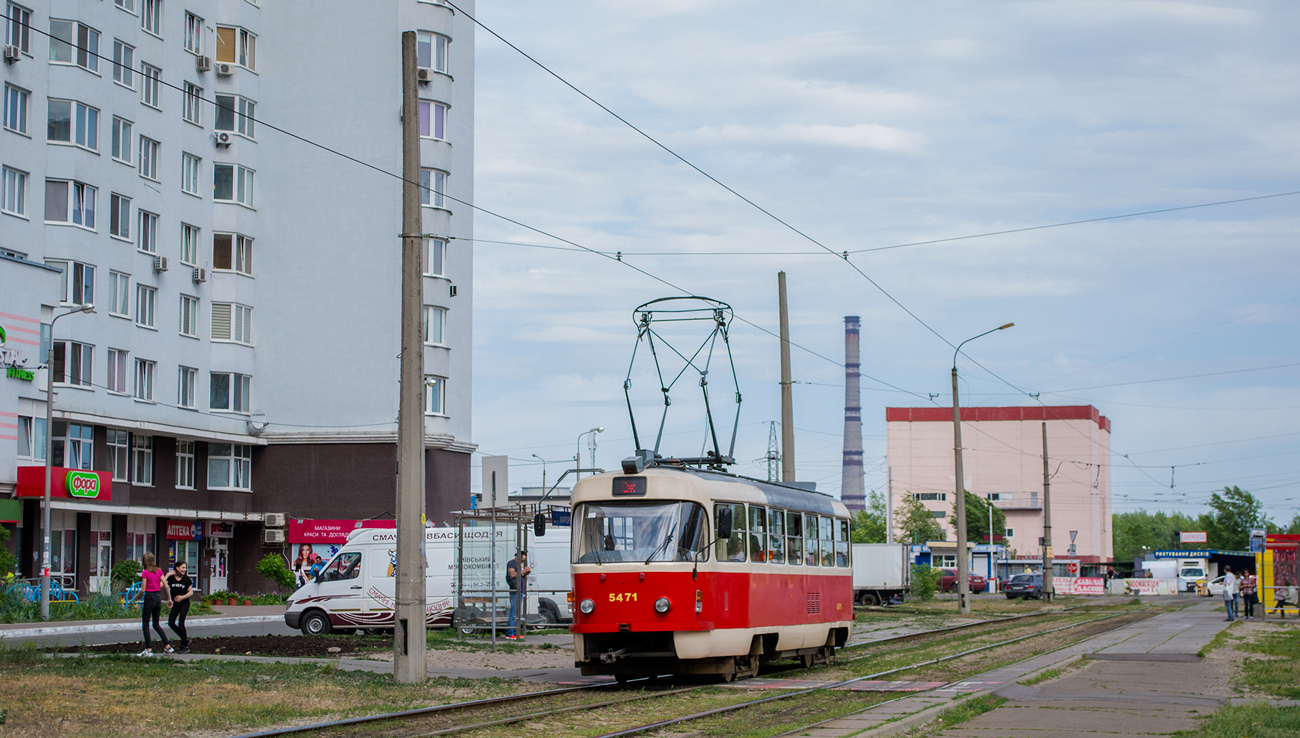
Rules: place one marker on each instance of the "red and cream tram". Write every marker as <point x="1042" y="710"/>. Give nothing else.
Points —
<point x="687" y="571"/>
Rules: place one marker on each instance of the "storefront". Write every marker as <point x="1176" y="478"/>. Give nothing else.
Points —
<point x="70" y="485"/>
<point x="217" y="547"/>
<point x="184" y="542"/>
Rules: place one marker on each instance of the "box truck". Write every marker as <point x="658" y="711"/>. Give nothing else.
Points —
<point x="881" y="572"/>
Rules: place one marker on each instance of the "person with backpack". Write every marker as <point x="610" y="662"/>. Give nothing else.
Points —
<point x="517" y="579"/>
<point x="151" y="607"/>
<point x="181" y="589"/>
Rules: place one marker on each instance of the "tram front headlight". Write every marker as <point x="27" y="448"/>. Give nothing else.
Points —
<point x="662" y="605"/>
<point x="587" y="606"/>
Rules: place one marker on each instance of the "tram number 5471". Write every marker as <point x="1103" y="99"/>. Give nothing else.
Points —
<point x="622" y="597"/>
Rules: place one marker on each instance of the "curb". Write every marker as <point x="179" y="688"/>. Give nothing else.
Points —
<point x="111" y="627"/>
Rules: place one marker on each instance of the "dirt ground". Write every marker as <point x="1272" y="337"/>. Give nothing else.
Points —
<point x="304" y="646"/>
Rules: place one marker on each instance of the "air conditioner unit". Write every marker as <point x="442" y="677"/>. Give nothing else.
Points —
<point x="221" y="139"/>
<point x="273" y="520"/>
<point x="200" y="274"/>
<point x="203" y="64"/>
<point x="209" y="542"/>
<point x="272" y="535"/>
<point x="12" y="54"/>
<point x="225" y="70"/>
<point x="424" y="74"/>
<point x="160" y="263"/>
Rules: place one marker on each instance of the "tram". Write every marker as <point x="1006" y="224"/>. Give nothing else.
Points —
<point x="684" y="570"/>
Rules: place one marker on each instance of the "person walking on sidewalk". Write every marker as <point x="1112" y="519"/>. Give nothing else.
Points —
<point x="1249" y="594"/>
<point x="1229" y="593"/>
<point x="181" y="589"/>
<point x="152" y="577"/>
<point x="517" y="578"/>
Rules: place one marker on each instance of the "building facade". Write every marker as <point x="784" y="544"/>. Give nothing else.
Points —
<point x="1002" y="461"/>
<point x="177" y="164"/>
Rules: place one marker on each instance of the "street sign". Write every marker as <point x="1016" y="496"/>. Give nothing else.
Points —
<point x="1072" y="567"/>
<point x="1073" y="535"/>
<point x="1192" y="536"/>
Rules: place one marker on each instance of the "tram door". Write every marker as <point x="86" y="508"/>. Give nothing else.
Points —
<point x="218" y="561"/>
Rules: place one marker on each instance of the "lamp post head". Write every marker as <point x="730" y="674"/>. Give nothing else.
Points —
<point x="597" y="429"/>
<point x="1004" y="327"/>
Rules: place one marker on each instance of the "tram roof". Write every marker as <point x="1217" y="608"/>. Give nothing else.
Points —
<point x="774" y="494"/>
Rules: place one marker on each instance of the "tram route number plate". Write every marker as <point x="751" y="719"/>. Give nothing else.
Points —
<point x="629" y="486"/>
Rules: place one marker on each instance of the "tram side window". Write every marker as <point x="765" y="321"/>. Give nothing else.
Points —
<point x="827" y="540"/>
<point x="776" y="536"/>
<point x="733" y="548"/>
<point x="758" y="533"/>
<point x="841" y="542"/>
<point x="794" y="536"/>
<point x="810" y="539"/>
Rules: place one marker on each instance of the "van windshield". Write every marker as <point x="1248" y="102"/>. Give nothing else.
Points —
<point x="610" y="532"/>
<point x="1193" y="572"/>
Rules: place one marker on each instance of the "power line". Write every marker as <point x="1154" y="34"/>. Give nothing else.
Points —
<point x="1175" y="379"/>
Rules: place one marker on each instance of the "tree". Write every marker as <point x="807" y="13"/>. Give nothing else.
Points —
<point x="917" y="523"/>
<point x="273" y="567"/>
<point x="869" y="524"/>
<point x="977" y="518"/>
<point x="1139" y="531"/>
<point x="1294" y="528"/>
<point x="1232" y="516"/>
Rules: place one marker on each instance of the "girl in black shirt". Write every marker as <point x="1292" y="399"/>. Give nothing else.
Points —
<point x="182" y="589"/>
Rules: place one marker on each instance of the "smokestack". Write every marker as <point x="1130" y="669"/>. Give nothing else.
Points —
<point x="851" y="489"/>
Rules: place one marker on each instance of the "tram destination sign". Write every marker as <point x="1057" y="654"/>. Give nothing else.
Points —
<point x="629" y="486"/>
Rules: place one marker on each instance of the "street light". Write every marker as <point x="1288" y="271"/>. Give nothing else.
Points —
<point x="535" y="456"/>
<point x="49" y="459"/>
<point x="577" y="456"/>
<point x="963" y="566"/>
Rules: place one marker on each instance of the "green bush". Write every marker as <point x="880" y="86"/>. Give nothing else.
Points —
<point x="925" y="580"/>
<point x="125" y="573"/>
<point x="270" y="598"/>
<point x="273" y="567"/>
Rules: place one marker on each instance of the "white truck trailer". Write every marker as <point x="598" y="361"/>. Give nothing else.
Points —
<point x="881" y="571"/>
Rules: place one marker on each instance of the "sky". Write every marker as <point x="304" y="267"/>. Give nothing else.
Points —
<point x="865" y="126"/>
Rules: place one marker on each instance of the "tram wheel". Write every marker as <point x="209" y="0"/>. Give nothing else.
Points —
<point x="807" y="660"/>
<point x="753" y="667"/>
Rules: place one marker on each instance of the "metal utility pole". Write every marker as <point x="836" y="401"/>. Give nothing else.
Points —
<point x="787" y="396"/>
<point x="409" y="644"/>
<point x="1049" y="591"/>
<point x="773" y="456"/>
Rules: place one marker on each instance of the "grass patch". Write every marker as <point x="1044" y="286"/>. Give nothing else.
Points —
<point x="967" y="710"/>
<point x="1278" y="676"/>
<point x="1054" y="672"/>
<point x="1249" y="721"/>
<point x="1219" y="640"/>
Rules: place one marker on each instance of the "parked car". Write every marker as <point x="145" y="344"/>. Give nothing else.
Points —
<point x="948" y="582"/>
<point x="1214" y="588"/>
<point x="1024" y="585"/>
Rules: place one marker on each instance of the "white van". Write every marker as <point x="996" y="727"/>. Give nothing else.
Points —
<point x="356" y="588"/>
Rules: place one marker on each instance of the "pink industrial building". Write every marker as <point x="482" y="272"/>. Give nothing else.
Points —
<point x="1002" y="459"/>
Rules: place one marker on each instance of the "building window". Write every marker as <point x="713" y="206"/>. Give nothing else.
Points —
<point x="78" y="282"/>
<point x="192" y="109"/>
<point x="236" y="46"/>
<point x="232" y="183"/>
<point x="435" y="321"/>
<point x="229" y="391"/>
<point x="77" y="209"/>
<point x="149" y="158"/>
<point x="148" y="232"/>
<point x="189" y="316"/>
<point x="231" y="251"/>
<point x="127" y="5"/>
<point x="119" y="454"/>
<point x="930" y="496"/>
<point x="144" y="371"/>
<point x="74" y="445"/>
<point x="119" y="216"/>
<point x="190" y="174"/>
<point x="142" y="459"/>
<point x="72" y="122"/>
<point x="74" y="43"/>
<point x="435" y="257"/>
<point x="431" y="51"/>
<point x="119" y="296"/>
<point x="235" y="114"/>
<point x="151" y="16"/>
<point x="123" y="64"/>
<point x="1002" y="496"/>
<point x="232" y="322"/>
<point x="945" y="561"/>
<point x="149" y="78"/>
<point x="17" y="30"/>
<point x="16" y="101"/>
<point x="188" y="379"/>
<point x="73" y="363"/>
<point x="189" y="244"/>
<point x="117" y="371"/>
<point x="1009" y="533"/>
<point x="433" y="187"/>
<point x="15" y="192"/>
<point x="193" y="34"/>
<point x="435" y="395"/>
<point x="31" y="438"/>
<point x="230" y="466"/>
<point x="122" y="140"/>
<point x="144" y="305"/>
<point x="185" y="464"/>
<point x="433" y="120"/>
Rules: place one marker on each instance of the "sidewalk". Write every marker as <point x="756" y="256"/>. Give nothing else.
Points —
<point x="224" y="615"/>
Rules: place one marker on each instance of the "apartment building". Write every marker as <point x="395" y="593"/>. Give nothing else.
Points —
<point x="1002" y="459"/>
<point x="178" y="164"/>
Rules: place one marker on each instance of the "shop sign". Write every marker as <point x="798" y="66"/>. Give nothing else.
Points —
<point x="184" y="530"/>
<point x="15" y="372"/>
<point x="221" y="529"/>
<point x="330" y="531"/>
<point x="76" y="484"/>
<point x="1192" y="536"/>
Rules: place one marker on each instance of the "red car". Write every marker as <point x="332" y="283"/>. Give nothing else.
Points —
<point x="948" y="582"/>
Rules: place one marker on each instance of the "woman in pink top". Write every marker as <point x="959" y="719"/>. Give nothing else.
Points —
<point x="152" y="577"/>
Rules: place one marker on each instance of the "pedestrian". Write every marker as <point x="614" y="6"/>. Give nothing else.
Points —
<point x="151" y="607"/>
<point x="181" y="589"/>
<point x="317" y="566"/>
<point x="1229" y="593"/>
<point x="1249" y="593"/>
<point x="517" y="578"/>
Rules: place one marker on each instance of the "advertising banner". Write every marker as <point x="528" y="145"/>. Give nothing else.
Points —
<point x="221" y="529"/>
<point x="1149" y="586"/>
<point x="1193" y="536"/>
<point x="330" y="531"/>
<point x="1089" y="586"/>
<point x="67" y="484"/>
<point x="184" y="530"/>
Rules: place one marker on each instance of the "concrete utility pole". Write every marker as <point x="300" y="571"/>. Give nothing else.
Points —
<point x="409" y="644"/>
<point x="787" y="396"/>
<point x="889" y="507"/>
<point x="1049" y="591"/>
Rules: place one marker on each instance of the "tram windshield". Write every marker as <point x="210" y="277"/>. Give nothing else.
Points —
<point x="641" y="532"/>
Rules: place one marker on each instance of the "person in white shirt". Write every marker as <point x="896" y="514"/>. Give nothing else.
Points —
<point x="1229" y="593"/>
